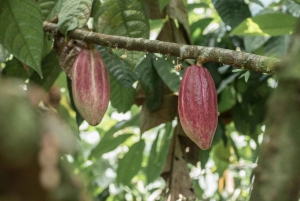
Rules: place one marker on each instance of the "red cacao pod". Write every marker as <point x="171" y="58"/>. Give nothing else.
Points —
<point x="197" y="106"/>
<point x="90" y="86"/>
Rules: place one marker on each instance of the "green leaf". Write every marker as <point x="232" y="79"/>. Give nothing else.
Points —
<point x="227" y="99"/>
<point x="4" y="54"/>
<point x="118" y="68"/>
<point x="190" y="7"/>
<point x="123" y="18"/>
<point x="134" y="121"/>
<point x="14" y="68"/>
<point x="246" y="75"/>
<point x="257" y="2"/>
<point x="200" y="25"/>
<point x="232" y="12"/>
<point x="165" y="69"/>
<point x="79" y="118"/>
<point x="121" y="98"/>
<point x="50" y="8"/>
<point x="131" y="163"/>
<point x="108" y="143"/>
<point x="271" y="24"/>
<point x="158" y="153"/>
<point x="22" y="32"/>
<point x="151" y="83"/>
<point x="252" y="43"/>
<point x="74" y="14"/>
<point x="163" y="4"/>
<point x="221" y="154"/>
<point x="50" y="69"/>
<point x="277" y="46"/>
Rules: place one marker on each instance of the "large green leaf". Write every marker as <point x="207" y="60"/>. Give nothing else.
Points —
<point x="131" y="163"/>
<point x="118" y="68"/>
<point x="21" y="31"/>
<point x="151" y="83"/>
<point x="50" y="69"/>
<point x="158" y="153"/>
<point x="74" y="14"/>
<point x="123" y="18"/>
<point x="108" y="143"/>
<point x="121" y="98"/>
<point x="232" y="12"/>
<point x="50" y="8"/>
<point x="165" y="69"/>
<point x="270" y="24"/>
<point x="14" y="68"/>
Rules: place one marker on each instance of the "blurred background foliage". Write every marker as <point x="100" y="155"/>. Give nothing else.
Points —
<point x="127" y="156"/>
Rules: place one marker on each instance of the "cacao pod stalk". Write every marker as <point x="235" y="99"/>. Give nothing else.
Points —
<point x="198" y="106"/>
<point x="90" y="86"/>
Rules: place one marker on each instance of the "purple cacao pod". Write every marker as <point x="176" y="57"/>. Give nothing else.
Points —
<point x="90" y="86"/>
<point x="198" y="106"/>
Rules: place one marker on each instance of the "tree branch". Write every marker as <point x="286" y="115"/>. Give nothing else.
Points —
<point x="200" y="53"/>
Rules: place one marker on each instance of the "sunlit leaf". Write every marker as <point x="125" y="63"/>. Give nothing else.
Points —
<point x="131" y="163"/>
<point x="108" y="143"/>
<point x="158" y="153"/>
<point x="271" y="24"/>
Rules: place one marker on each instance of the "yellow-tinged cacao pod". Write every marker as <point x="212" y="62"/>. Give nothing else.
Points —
<point x="90" y="86"/>
<point x="198" y="106"/>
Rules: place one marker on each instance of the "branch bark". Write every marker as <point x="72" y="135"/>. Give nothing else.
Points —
<point x="277" y="176"/>
<point x="202" y="54"/>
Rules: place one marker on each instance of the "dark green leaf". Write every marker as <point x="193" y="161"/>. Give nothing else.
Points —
<point x="22" y="32"/>
<point x="79" y="118"/>
<point x="50" y="8"/>
<point x="270" y="24"/>
<point x="232" y="12"/>
<point x="50" y="69"/>
<point x="14" y="68"/>
<point x="123" y="18"/>
<point x="74" y="14"/>
<point x="108" y="143"/>
<point x="118" y="68"/>
<point x="165" y="69"/>
<point x="131" y="163"/>
<point x="221" y="154"/>
<point x="121" y="98"/>
<point x="158" y="153"/>
<point x="151" y="83"/>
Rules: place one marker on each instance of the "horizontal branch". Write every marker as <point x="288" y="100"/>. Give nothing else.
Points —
<point x="200" y="53"/>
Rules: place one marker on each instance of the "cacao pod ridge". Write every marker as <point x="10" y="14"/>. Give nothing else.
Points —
<point x="198" y="106"/>
<point x="90" y="86"/>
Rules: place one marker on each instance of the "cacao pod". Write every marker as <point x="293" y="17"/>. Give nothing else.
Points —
<point x="197" y="106"/>
<point x="90" y="86"/>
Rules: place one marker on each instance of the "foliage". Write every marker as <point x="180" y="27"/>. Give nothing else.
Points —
<point x="118" y="160"/>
